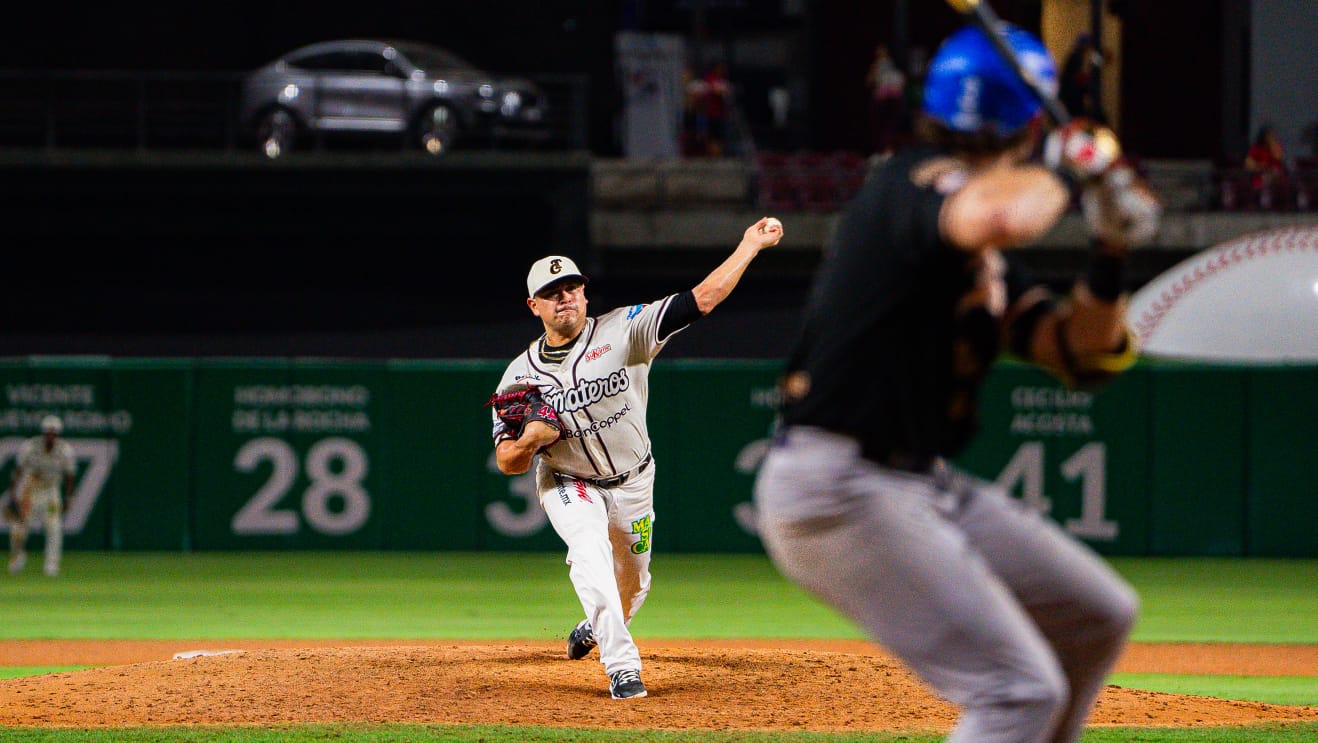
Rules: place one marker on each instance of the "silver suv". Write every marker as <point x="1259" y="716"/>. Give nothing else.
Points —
<point x="427" y="96"/>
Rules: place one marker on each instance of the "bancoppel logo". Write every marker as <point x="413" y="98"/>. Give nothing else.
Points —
<point x="595" y="353"/>
<point x="634" y="310"/>
<point x="596" y="426"/>
<point x="521" y="377"/>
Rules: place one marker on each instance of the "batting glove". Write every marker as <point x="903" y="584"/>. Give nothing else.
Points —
<point x="1081" y="150"/>
<point x="1120" y="209"/>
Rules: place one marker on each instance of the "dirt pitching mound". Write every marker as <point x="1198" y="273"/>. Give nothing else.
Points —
<point x="690" y="687"/>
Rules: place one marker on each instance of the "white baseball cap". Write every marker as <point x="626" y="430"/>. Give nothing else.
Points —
<point x="51" y="424"/>
<point x="549" y="269"/>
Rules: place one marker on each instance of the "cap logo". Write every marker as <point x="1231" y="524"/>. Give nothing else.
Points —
<point x="555" y="266"/>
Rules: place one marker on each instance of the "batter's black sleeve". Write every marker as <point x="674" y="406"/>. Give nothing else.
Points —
<point x="1023" y="287"/>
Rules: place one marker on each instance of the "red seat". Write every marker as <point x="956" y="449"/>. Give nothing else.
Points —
<point x="847" y="159"/>
<point x="820" y="191"/>
<point x="809" y="161"/>
<point x="1306" y="188"/>
<point x="776" y="188"/>
<point x="778" y="191"/>
<point x="770" y="160"/>
<point x="1235" y="192"/>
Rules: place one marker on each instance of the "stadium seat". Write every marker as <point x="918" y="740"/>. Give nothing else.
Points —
<point x="778" y="190"/>
<point x="770" y="160"/>
<point x="1306" y="183"/>
<point x="1235" y="192"/>
<point x="808" y="161"/>
<point x="821" y="190"/>
<point x="847" y="159"/>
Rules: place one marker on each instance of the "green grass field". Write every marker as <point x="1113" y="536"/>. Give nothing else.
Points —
<point x="363" y="595"/>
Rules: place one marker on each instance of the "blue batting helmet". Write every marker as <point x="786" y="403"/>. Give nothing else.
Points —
<point x="971" y="88"/>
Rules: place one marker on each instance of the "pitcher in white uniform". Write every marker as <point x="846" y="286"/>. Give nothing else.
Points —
<point x="596" y="483"/>
<point x="42" y="481"/>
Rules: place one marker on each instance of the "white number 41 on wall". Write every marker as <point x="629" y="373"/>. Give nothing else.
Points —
<point x="1089" y="465"/>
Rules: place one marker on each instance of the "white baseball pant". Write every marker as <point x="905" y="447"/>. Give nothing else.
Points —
<point x="608" y="535"/>
<point x="48" y="507"/>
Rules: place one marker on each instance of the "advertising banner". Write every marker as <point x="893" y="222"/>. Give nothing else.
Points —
<point x="285" y="455"/>
<point x="1078" y="457"/>
<point x="224" y="454"/>
<point x="711" y="423"/>
<point x="438" y="444"/>
<point x="78" y="391"/>
<point x="1282" y="436"/>
<point x="150" y="488"/>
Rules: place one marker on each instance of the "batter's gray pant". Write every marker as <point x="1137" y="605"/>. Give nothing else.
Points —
<point x="994" y="606"/>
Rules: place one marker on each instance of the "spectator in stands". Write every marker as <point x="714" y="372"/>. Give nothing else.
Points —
<point x="1266" y="154"/>
<point x="1266" y="162"/>
<point x="692" y="87"/>
<point x="887" y="86"/>
<point x="709" y="99"/>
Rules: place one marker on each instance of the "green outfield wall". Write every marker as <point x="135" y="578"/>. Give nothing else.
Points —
<point x="233" y="454"/>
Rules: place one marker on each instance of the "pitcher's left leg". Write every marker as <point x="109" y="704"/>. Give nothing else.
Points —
<point x="17" y="547"/>
<point x="54" y="523"/>
<point x="18" y="535"/>
<point x="631" y="530"/>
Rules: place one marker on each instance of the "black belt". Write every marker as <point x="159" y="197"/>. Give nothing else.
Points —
<point x="616" y="480"/>
<point x="898" y="460"/>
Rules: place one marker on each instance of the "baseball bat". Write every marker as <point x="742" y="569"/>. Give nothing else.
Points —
<point x="980" y="14"/>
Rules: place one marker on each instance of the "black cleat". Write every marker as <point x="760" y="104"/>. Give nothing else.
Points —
<point x="626" y="684"/>
<point x="580" y="641"/>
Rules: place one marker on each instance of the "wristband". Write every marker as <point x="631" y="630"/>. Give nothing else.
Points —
<point x="1107" y="272"/>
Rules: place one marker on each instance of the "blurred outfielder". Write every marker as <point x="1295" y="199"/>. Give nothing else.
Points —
<point x="42" y="481"/>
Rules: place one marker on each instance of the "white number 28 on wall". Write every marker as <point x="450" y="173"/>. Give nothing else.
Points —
<point x="262" y="516"/>
<point x="1089" y="465"/>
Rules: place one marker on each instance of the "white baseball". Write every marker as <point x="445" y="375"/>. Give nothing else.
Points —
<point x="770" y="223"/>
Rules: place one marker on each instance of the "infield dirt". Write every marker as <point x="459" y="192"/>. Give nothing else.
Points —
<point x="694" y="684"/>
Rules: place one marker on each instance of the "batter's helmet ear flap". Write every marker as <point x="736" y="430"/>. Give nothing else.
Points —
<point x="970" y="88"/>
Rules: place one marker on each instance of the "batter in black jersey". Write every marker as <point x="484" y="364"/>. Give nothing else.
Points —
<point x="917" y="295"/>
<point x="903" y="327"/>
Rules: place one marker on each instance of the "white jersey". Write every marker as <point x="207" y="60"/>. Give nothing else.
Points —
<point x="42" y="469"/>
<point x="600" y="390"/>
